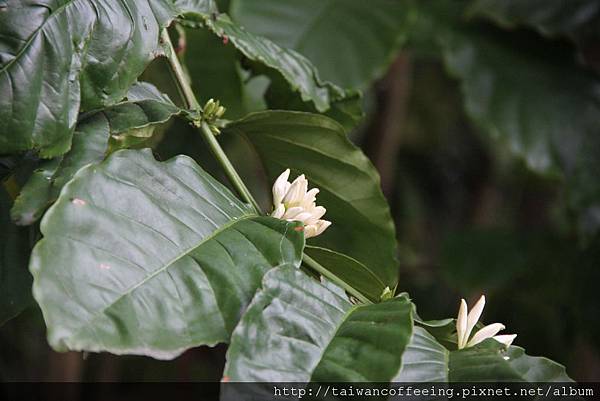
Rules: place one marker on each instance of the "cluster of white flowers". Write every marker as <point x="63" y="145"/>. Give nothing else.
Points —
<point x="465" y="322"/>
<point x="294" y="202"/>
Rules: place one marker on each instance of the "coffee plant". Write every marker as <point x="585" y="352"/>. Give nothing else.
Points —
<point x="296" y="270"/>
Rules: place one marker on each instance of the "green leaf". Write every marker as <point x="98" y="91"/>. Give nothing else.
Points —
<point x="578" y="19"/>
<point x="349" y="185"/>
<point x="57" y="57"/>
<point x="489" y="361"/>
<point x="348" y="112"/>
<point x="300" y="74"/>
<point x="142" y="257"/>
<point x="15" y="280"/>
<point x="143" y="108"/>
<point x="351" y="42"/>
<point x="350" y="270"/>
<point x="215" y="75"/>
<point x="424" y="360"/>
<point x="297" y="329"/>
<point x="537" y="101"/>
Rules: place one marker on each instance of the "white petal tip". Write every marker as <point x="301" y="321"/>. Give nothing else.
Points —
<point x="506" y="339"/>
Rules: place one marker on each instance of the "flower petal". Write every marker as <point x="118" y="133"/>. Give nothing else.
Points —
<point x="315" y="214"/>
<point x="281" y="186"/>
<point x="310" y="197"/>
<point x="505" y="339"/>
<point x="279" y="211"/>
<point x="322" y="226"/>
<point x="304" y="217"/>
<point x="461" y="324"/>
<point x="488" y="331"/>
<point x="295" y="195"/>
<point x="473" y="316"/>
<point x="310" y="231"/>
<point x="292" y="212"/>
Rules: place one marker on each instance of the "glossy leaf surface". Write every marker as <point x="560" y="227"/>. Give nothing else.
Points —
<point x="296" y="69"/>
<point x="58" y="56"/>
<point x="143" y="108"/>
<point x="297" y="329"/>
<point x="424" y="360"/>
<point x="489" y="361"/>
<point x="142" y="257"/>
<point x="351" y="42"/>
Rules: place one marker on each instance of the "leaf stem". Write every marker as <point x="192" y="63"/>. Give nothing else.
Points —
<point x="209" y="137"/>
<point x="335" y="279"/>
<point x="177" y="69"/>
<point x="232" y="174"/>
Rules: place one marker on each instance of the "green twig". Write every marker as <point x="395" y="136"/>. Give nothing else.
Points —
<point x="234" y="178"/>
<point x="180" y="76"/>
<point x="335" y="279"/>
<point x="208" y="136"/>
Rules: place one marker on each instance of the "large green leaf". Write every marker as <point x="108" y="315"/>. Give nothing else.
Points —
<point x="489" y="361"/>
<point x="136" y="116"/>
<point x="297" y="329"/>
<point x="578" y="19"/>
<point x="316" y="146"/>
<point x="424" y="360"/>
<point x="217" y="74"/>
<point x="15" y="280"/>
<point x="532" y="97"/>
<point x="353" y="272"/>
<point x="59" y="55"/>
<point x="351" y="42"/>
<point x="142" y="257"/>
<point x="298" y="71"/>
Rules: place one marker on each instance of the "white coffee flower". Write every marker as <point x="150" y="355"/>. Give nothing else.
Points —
<point x="466" y="321"/>
<point x="294" y="202"/>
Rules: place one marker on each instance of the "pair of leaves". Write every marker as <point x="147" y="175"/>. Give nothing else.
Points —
<point x="135" y="117"/>
<point x="297" y="329"/>
<point x="149" y="258"/>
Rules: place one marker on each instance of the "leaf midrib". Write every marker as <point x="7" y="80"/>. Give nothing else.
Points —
<point x="337" y="330"/>
<point x="34" y="35"/>
<point x="131" y="289"/>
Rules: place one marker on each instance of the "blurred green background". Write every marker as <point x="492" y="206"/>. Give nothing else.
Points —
<point x="483" y="119"/>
